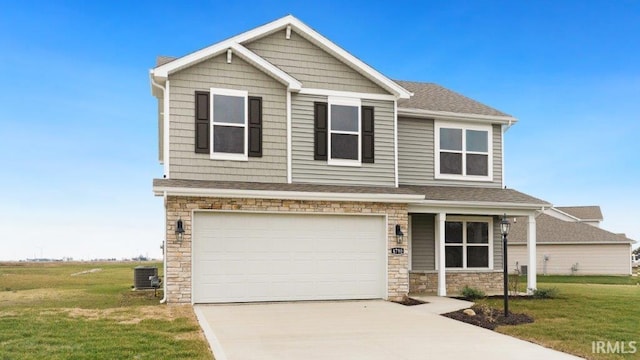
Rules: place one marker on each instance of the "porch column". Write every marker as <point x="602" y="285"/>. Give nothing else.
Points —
<point x="442" y="279"/>
<point x="531" y="249"/>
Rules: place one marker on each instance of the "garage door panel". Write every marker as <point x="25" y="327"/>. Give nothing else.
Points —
<point x="240" y="257"/>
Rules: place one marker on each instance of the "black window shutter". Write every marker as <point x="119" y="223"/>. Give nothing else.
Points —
<point x="320" y="127"/>
<point x="255" y="126"/>
<point x="368" y="140"/>
<point x="203" y="125"/>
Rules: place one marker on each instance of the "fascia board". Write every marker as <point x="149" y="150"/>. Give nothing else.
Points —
<point x="287" y="195"/>
<point x="477" y="205"/>
<point x="267" y="67"/>
<point x="562" y="213"/>
<point x="345" y="56"/>
<point x="447" y="115"/>
<point x="163" y="71"/>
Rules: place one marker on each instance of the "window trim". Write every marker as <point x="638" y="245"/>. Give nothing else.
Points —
<point x="354" y="102"/>
<point x="464" y="127"/>
<point x="464" y="244"/>
<point x="223" y="155"/>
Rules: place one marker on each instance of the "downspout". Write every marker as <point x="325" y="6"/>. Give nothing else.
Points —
<point x="165" y="122"/>
<point x="164" y="255"/>
<point x="166" y="163"/>
<point x="504" y="131"/>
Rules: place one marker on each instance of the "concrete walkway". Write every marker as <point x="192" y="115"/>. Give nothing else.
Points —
<point x="354" y="330"/>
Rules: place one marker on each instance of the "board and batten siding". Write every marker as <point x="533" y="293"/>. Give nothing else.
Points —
<point x="239" y="75"/>
<point x="416" y="155"/>
<point x="423" y="244"/>
<point x="311" y="65"/>
<point x="307" y="170"/>
<point x="592" y="259"/>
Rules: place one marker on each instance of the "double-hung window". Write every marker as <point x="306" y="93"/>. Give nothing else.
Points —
<point x="463" y="152"/>
<point x="344" y="138"/>
<point x="229" y="124"/>
<point x="468" y="243"/>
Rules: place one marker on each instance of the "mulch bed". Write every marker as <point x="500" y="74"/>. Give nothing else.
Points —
<point x="489" y="318"/>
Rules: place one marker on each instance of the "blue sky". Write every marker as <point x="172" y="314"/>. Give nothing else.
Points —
<point x="78" y="126"/>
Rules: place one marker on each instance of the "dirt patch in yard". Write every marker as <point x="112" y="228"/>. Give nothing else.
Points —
<point x="489" y="318"/>
<point x="134" y="315"/>
<point x="407" y="301"/>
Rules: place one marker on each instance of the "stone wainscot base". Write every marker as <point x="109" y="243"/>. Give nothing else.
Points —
<point x="427" y="282"/>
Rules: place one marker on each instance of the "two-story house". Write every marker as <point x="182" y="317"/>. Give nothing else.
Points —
<point x="295" y="171"/>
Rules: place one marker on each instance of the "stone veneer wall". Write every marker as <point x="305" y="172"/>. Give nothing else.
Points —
<point x="427" y="281"/>
<point x="178" y="271"/>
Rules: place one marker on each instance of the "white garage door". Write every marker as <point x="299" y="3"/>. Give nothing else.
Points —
<point x="244" y="257"/>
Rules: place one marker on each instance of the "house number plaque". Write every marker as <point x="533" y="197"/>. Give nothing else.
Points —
<point x="397" y="251"/>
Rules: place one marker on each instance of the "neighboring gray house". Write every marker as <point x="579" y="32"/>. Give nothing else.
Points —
<point x="295" y="171"/>
<point x="569" y="241"/>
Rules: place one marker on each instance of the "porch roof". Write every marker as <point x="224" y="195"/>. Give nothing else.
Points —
<point x="475" y="194"/>
<point x="404" y="193"/>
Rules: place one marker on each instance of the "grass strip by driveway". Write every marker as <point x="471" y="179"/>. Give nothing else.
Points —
<point x="88" y="311"/>
<point x="582" y="314"/>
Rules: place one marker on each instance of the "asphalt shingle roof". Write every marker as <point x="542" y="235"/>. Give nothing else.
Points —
<point x="442" y="193"/>
<point x="430" y="96"/>
<point x="475" y="194"/>
<point x="552" y="230"/>
<point x="582" y="212"/>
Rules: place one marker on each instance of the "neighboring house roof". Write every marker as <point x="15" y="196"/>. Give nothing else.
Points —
<point x="161" y="72"/>
<point x="583" y="212"/>
<point x="550" y="230"/>
<point x="417" y="194"/>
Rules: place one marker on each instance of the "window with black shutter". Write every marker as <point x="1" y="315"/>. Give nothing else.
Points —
<point x="368" y="139"/>
<point x="320" y="130"/>
<point x="228" y="124"/>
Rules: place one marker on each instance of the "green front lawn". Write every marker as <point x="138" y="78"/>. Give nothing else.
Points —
<point x="46" y="312"/>
<point x="589" y="309"/>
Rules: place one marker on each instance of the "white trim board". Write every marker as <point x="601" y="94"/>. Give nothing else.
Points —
<point x="163" y="71"/>
<point x="287" y="195"/>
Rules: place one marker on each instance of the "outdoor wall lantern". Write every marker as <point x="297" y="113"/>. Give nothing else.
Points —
<point x="504" y="230"/>
<point x="399" y="234"/>
<point x="179" y="230"/>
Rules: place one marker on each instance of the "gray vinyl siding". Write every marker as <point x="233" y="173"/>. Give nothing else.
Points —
<point x="307" y="170"/>
<point x="423" y="243"/>
<point x="592" y="259"/>
<point x="416" y="155"/>
<point x="309" y="64"/>
<point x="497" y="244"/>
<point x="239" y="75"/>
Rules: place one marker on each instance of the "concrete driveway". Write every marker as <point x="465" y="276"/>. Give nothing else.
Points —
<point x="368" y="330"/>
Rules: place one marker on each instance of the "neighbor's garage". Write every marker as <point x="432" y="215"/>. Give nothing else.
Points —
<point x="245" y="257"/>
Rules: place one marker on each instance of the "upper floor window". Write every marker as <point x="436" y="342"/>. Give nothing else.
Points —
<point x="463" y="152"/>
<point x="344" y="131"/>
<point x="229" y="124"/>
<point x="468" y="243"/>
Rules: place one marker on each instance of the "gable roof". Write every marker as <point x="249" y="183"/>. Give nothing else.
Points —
<point x="583" y="212"/>
<point x="550" y="230"/>
<point x="160" y="73"/>
<point x="433" y="99"/>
